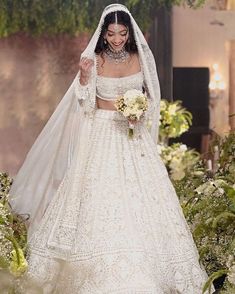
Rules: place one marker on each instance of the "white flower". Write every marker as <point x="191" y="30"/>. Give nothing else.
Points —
<point x="206" y="188"/>
<point x="218" y="183"/>
<point x="162" y="105"/>
<point x="138" y="114"/>
<point x="126" y="112"/>
<point x="221" y="190"/>
<point x="131" y="95"/>
<point x="231" y="275"/>
<point x="230" y="261"/>
<point x="198" y="173"/>
<point x="159" y="148"/>
<point x="183" y="147"/>
<point x="178" y="174"/>
<point x="168" y="157"/>
<point x="175" y="163"/>
<point x="172" y="109"/>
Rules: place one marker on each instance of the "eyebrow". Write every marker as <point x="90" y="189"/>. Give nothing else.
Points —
<point x="124" y="30"/>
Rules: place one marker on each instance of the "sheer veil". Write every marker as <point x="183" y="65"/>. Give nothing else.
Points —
<point x="54" y="151"/>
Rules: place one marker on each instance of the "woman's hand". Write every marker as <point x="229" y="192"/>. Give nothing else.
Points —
<point x="133" y="121"/>
<point x="85" y="66"/>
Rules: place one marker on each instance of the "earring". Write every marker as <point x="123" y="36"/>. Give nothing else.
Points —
<point x="105" y="41"/>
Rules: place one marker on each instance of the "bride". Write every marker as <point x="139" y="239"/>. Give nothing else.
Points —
<point x="104" y="217"/>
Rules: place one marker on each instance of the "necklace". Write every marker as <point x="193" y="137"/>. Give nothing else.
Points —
<point x="117" y="56"/>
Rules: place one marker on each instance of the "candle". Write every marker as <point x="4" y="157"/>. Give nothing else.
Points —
<point x="209" y="164"/>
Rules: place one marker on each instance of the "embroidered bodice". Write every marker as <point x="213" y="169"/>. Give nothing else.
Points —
<point x="108" y="88"/>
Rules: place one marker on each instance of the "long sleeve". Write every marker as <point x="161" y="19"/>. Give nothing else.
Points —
<point x="81" y="91"/>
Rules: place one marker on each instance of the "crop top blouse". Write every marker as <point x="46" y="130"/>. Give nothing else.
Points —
<point x="108" y="88"/>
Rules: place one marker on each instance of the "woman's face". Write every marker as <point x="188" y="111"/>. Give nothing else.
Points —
<point x="116" y="36"/>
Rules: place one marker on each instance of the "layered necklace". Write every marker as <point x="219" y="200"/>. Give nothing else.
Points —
<point x="116" y="56"/>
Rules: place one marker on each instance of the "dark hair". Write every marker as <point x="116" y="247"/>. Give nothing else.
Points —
<point x="124" y="19"/>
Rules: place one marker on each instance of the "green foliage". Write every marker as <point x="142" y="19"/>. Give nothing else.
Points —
<point x="208" y="201"/>
<point x="37" y="17"/>
<point x="212" y="278"/>
<point x="13" y="236"/>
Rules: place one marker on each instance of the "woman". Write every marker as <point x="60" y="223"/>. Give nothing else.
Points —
<point x="104" y="215"/>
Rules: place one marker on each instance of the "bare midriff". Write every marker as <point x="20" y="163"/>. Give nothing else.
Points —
<point x="103" y="104"/>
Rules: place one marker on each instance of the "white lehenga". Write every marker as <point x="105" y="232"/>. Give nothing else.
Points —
<point x="115" y="224"/>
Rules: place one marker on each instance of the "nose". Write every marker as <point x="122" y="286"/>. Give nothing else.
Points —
<point x="117" y="40"/>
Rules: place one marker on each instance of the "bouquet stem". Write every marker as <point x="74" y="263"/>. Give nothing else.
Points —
<point x="130" y="133"/>
<point x="131" y="130"/>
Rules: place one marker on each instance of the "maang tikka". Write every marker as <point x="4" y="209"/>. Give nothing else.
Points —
<point x="116" y="23"/>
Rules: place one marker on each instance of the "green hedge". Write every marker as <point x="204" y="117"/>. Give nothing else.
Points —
<point x="37" y="17"/>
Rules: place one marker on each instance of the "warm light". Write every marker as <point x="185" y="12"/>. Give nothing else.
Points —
<point x="212" y="85"/>
<point x="216" y="85"/>
<point x="217" y="76"/>
<point x="221" y="85"/>
<point x="215" y="66"/>
<point x="231" y="5"/>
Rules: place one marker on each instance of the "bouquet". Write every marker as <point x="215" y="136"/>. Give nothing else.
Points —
<point x="132" y="105"/>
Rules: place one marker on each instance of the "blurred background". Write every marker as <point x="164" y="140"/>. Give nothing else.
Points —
<point x="40" y="45"/>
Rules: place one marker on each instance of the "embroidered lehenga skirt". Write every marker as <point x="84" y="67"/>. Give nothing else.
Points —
<point x="115" y="224"/>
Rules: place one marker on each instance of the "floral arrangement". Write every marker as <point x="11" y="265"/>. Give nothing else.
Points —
<point x="174" y="120"/>
<point x="206" y="193"/>
<point x="13" y="239"/>
<point x="178" y="159"/>
<point x="132" y="105"/>
<point x="207" y="197"/>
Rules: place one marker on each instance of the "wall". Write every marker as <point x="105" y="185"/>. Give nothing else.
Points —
<point x="34" y="75"/>
<point x="200" y="38"/>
